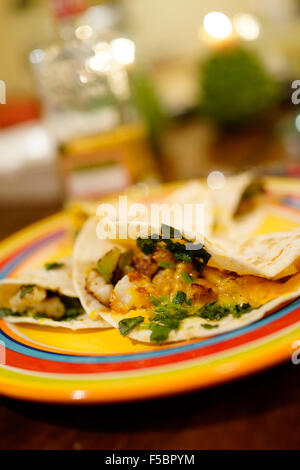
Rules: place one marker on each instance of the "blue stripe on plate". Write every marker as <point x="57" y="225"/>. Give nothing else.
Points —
<point x="32" y="352"/>
<point x="289" y="201"/>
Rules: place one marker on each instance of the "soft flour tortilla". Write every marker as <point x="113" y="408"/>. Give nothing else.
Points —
<point x="270" y="256"/>
<point x="190" y="199"/>
<point x="88" y="249"/>
<point x="192" y="327"/>
<point x="58" y="280"/>
<point x="273" y="256"/>
<point x="219" y="205"/>
<point x="227" y="200"/>
<point x="244" y="227"/>
<point x="195" y="192"/>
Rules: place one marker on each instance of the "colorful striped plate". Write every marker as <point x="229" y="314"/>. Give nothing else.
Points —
<point x="56" y="365"/>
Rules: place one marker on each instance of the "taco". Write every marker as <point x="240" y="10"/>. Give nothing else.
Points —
<point x="233" y="210"/>
<point x="160" y="289"/>
<point x="45" y="296"/>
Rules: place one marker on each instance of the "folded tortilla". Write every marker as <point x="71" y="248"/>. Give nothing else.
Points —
<point x="47" y="297"/>
<point x="238" y="203"/>
<point x="232" y="210"/>
<point x="195" y="192"/>
<point x="173" y="294"/>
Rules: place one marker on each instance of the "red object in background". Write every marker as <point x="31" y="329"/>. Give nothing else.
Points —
<point x="64" y="8"/>
<point x="17" y="111"/>
<point x="293" y="169"/>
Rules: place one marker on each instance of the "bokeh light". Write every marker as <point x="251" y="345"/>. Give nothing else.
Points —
<point x="84" y="32"/>
<point x="102" y="60"/>
<point x="38" y="144"/>
<point x="123" y="51"/>
<point x="246" y="26"/>
<point x="36" y="56"/>
<point x="217" y="25"/>
<point x="216" y="180"/>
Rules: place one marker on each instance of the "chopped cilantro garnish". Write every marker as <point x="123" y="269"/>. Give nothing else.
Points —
<point x="216" y="312"/>
<point x="180" y="297"/>
<point x="38" y="316"/>
<point x="207" y="326"/>
<point x="201" y="259"/>
<point x="128" y="324"/>
<point x="166" y="265"/>
<point x="26" y="290"/>
<point x="55" y="265"/>
<point x="166" y="317"/>
<point x="72" y="313"/>
<point x="240" y="309"/>
<point x="159" y="333"/>
<point x="18" y="314"/>
<point x="171" y="308"/>
<point x="213" y="311"/>
<point x="187" y="279"/>
<point x="146" y="245"/>
<point x="145" y="326"/>
<point x="186" y="252"/>
<point x="4" y="312"/>
<point x="154" y="301"/>
<point x="172" y="320"/>
<point x="164" y="299"/>
<point x="184" y="257"/>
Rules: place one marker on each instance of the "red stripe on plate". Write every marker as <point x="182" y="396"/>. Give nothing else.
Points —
<point x="18" y="360"/>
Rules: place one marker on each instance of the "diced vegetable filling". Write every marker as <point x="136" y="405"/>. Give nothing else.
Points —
<point x="37" y="302"/>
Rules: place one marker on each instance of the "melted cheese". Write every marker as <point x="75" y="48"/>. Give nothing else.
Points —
<point x="255" y="290"/>
<point x="213" y="285"/>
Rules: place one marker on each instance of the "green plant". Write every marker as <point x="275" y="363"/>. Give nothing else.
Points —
<point x="235" y="87"/>
<point x="147" y="102"/>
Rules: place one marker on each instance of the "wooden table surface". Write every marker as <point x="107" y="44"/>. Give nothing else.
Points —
<point x="258" y="412"/>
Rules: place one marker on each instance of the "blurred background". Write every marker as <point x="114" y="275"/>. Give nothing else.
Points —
<point x="100" y="95"/>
